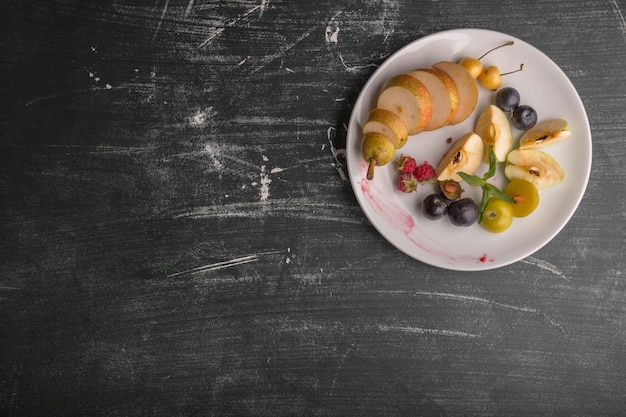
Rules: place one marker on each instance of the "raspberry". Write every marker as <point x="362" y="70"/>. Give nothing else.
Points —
<point x="405" y="164"/>
<point x="425" y="172"/>
<point x="407" y="183"/>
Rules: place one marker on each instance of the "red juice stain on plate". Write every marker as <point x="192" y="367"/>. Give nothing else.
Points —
<point x="485" y="258"/>
<point x="391" y="213"/>
<point x="394" y="216"/>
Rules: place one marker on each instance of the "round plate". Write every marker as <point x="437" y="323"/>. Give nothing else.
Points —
<point x="396" y="215"/>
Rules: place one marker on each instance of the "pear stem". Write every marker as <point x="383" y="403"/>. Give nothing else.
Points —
<point x="493" y="49"/>
<point x="370" y="169"/>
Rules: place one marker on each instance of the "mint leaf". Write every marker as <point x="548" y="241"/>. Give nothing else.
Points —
<point x="489" y="190"/>
<point x="472" y="179"/>
<point x="483" y="204"/>
<point x="492" y="164"/>
<point x="495" y="191"/>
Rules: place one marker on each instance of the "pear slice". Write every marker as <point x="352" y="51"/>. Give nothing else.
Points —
<point x="389" y="124"/>
<point x="440" y="98"/>
<point x="534" y="166"/>
<point x="466" y="87"/>
<point x="545" y="133"/>
<point x="494" y="128"/>
<point x="453" y="92"/>
<point x="408" y="98"/>
<point x="465" y="155"/>
<point x="377" y="151"/>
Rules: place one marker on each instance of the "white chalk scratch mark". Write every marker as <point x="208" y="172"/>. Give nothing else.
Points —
<point x="336" y="153"/>
<point x="421" y="330"/>
<point x="466" y="298"/>
<point x="294" y="208"/>
<point x="232" y="23"/>
<point x="276" y="170"/>
<point x="188" y="9"/>
<point x="620" y="16"/>
<point x="549" y="320"/>
<point x="158" y="28"/>
<point x="283" y="50"/>
<point x="215" y="266"/>
<point x="544" y="265"/>
<point x="243" y="61"/>
<point x="106" y="87"/>
<point x="356" y="68"/>
<point x="339" y="368"/>
<point x="222" y="265"/>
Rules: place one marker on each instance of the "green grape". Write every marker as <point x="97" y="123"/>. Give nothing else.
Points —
<point x="526" y="197"/>
<point x="498" y="215"/>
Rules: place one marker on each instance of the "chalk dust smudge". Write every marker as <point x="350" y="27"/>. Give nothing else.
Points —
<point x="339" y="166"/>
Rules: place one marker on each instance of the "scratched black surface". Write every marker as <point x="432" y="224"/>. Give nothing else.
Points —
<point x="178" y="236"/>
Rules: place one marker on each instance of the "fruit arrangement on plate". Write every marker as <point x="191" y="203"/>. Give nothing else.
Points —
<point x="429" y="98"/>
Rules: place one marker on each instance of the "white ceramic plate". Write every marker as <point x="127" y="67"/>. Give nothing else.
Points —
<point x="396" y="215"/>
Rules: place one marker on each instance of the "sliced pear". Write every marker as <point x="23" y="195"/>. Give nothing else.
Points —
<point x="466" y="86"/>
<point x="494" y="128"/>
<point x="377" y="151"/>
<point x="545" y="133"/>
<point x="407" y="97"/>
<point x="453" y="92"/>
<point x="465" y="155"/>
<point x="389" y="124"/>
<point x="439" y="96"/>
<point x="534" y="166"/>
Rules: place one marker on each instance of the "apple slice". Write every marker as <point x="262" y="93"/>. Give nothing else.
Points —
<point x="440" y="97"/>
<point x="408" y="98"/>
<point x="536" y="167"/>
<point x="466" y="86"/>
<point x="465" y="155"/>
<point x="389" y="124"/>
<point x="494" y="128"/>
<point x="545" y="133"/>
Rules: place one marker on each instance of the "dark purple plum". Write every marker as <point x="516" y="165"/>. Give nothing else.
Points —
<point x="463" y="212"/>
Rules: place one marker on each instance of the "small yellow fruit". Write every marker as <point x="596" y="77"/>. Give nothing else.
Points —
<point x="472" y="65"/>
<point x="490" y="78"/>
<point x="498" y="215"/>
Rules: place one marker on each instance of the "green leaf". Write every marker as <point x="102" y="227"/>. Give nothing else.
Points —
<point x="495" y="191"/>
<point x="492" y="164"/>
<point x="472" y="179"/>
<point x="483" y="203"/>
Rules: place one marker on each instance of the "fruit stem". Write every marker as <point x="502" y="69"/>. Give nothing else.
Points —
<point x="370" y="169"/>
<point x="493" y="49"/>
<point x="521" y="67"/>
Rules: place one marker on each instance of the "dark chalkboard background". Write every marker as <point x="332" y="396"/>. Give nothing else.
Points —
<point x="179" y="238"/>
